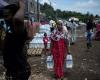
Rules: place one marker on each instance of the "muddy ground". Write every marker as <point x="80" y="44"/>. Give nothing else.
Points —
<point x="86" y="64"/>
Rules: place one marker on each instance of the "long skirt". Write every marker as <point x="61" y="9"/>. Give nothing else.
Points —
<point x="59" y="50"/>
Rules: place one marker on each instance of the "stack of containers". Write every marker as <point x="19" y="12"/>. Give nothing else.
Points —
<point x="37" y="42"/>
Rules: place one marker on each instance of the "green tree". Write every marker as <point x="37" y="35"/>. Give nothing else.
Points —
<point x="58" y="14"/>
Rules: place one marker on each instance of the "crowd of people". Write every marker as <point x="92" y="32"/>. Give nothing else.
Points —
<point x="14" y="55"/>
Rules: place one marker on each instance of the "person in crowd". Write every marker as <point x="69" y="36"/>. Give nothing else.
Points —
<point x="90" y="25"/>
<point x="3" y="29"/>
<point x="52" y="24"/>
<point x="45" y="41"/>
<point x="89" y="39"/>
<point x="73" y="27"/>
<point x="59" y="50"/>
<point x="1" y="36"/>
<point x="89" y="30"/>
<point x="97" y="35"/>
<point x="15" y="60"/>
<point x="68" y="26"/>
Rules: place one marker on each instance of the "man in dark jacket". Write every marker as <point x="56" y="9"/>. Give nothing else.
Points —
<point x="15" y="60"/>
<point x="89" y="29"/>
<point x="89" y="25"/>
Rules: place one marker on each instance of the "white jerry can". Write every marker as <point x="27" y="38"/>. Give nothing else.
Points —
<point x="69" y="61"/>
<point x="49" y="62"/>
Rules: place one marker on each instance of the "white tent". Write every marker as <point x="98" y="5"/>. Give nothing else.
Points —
<point x="52" y="21"/>
<point x="73" y="18"/>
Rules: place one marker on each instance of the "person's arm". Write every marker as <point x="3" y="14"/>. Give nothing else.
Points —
<point x="19" y="18"/>
<point x="20" y="13"/>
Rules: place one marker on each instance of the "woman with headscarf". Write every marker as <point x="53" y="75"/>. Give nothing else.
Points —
<point x="59" y="50"/>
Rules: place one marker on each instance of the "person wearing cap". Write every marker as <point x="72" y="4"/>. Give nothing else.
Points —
<point x="15" y="59"/>
<point x="59" y="50"/>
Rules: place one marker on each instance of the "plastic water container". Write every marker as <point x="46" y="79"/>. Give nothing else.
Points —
<point x="42" y="45"/>
<point x="50" y="62"/>
<point x="48" y="46"/>
<point x="69" y="61"/>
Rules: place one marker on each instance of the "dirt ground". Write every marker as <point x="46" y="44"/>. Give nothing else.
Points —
<point x="86" y="63"/>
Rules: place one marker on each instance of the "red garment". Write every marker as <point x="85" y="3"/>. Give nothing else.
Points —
<point x="98" y="27"/>
<point x="58" y="51"/>
<point x="45" y="40"/>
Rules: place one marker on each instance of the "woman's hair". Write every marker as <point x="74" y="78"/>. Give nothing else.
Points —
<point x="45" y="34"/>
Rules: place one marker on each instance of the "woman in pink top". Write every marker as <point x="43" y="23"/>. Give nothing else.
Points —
<point x="97" y="35"/>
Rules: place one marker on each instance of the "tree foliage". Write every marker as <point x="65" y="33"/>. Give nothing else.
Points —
<point x="54" y="14"/>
